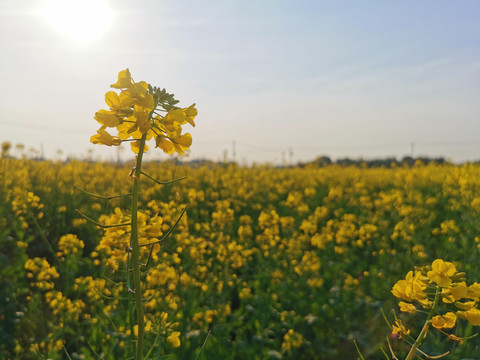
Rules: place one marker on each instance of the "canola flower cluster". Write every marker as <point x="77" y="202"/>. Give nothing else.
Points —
<point x="116" y="239"/>
<point x="41" y="273"/>
<point x="292" y="340"/>
<point x="428" y="287"/>
<point x="140" y="110"/>
<point x="69" y="245"/>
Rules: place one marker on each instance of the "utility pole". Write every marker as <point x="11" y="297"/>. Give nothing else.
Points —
<point x="412" y="147"/>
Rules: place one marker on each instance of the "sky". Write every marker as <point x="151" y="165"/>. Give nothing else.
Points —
<point x="273" y="81"/>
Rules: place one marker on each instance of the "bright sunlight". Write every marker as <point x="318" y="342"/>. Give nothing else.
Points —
<point x="79" y="21"/>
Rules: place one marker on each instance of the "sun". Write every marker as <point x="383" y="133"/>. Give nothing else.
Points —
<point x="83" y="21"/>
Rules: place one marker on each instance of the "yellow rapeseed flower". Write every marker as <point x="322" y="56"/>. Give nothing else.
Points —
<point x="472" y="315"/>
<point x="473" y="291"/>
<point x="174" y="339"/>
<point x="104" y="138"/>
<point x="407" y="307"/>
<point x="410" y="289"/>
<point x="446" y="321"/>
<point x="135" y="112"/>
<point x="124" y="80"/>
<point x="441" y="272"/>
<point x="465" y="305"/>
<point x="107" y="118"/>
<point x="399" y="329"/>
<point x="456" y="292"/>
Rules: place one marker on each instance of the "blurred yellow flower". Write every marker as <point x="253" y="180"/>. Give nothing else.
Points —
<point x="455" y="338"/>
<point x="174" y="339"/>
<point x="148" y="327"/>
<point x="399" y="329"/>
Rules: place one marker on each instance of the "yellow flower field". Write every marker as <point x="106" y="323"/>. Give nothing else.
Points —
<point x="266" y="263"/>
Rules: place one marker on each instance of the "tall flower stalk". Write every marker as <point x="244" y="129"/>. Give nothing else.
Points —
<point x="139" y="113"/>
<point x="135" y="249"/>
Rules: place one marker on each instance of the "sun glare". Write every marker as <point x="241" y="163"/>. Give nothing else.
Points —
<point x="81" y="21"/>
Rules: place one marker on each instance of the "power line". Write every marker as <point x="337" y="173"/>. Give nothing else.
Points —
<point x="41" y="127"/>
<point x="413" y="146"/>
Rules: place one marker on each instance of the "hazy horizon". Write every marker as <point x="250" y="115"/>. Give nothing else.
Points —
<point x="272" y="80"/>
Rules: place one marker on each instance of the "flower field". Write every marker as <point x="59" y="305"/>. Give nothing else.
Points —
<point x="265" y="263"/>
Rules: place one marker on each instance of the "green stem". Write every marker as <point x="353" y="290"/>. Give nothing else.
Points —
<point x="136" y="251"/>
<point x="425" y="327"/>
<point x="47" y="244"/>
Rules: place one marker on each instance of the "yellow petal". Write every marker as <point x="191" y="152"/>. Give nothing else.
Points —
<point x="472" y="315"/>
<point x="107" y="118"/>
<point x="176" y="116"/>
<point x="124" y="80"/>
<point x="407" y="307"/>
<point x="184" y="140"/>
<point x="147" y="102"/>
<point x="460" y="291"/>
<point x="191" y="113"/>
<point x="165" y="145"/>
<point x="126" y="129"/>
<point x="450" y="320"/>
<point x="141" y="118"/>
<point x="135" y="145"/>
<point x="465" y="305"/>
<point x="150" y="134"/>
<point x="444" y="268"/>
<point x="137" y="90"/>
<point x="104" y="138"/>
<point x="112" y="100"/>
<point x="174" y="339"/>
<point x="474" y="291"/>
<point x="446" y="321"/>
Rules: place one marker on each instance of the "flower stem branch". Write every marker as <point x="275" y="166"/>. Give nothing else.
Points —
<point x="101" y="196"/>
<point x="163" y="182"/>
<point x="169" y="230"/>
<point x="98" y="224"/>
<point x="47" y="244"/>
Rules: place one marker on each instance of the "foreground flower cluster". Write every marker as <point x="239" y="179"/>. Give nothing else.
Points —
<point x="441" y="292"/>
<point x="139" y="110"/>
<point x="426" y="286"/>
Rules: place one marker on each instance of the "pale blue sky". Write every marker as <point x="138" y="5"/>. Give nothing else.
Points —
<point x="291" y="79"/>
